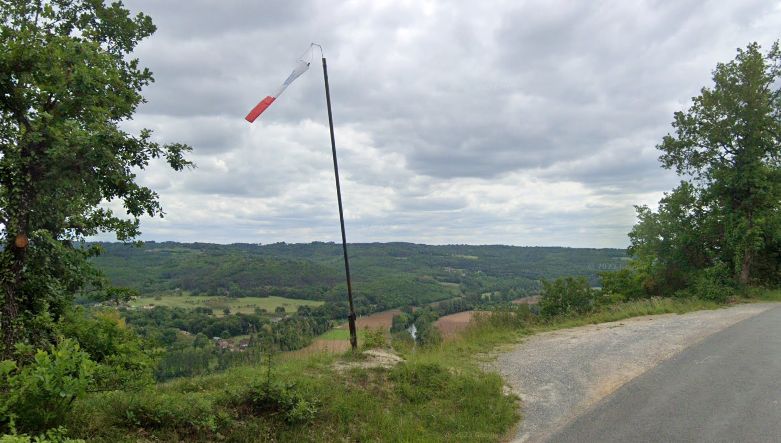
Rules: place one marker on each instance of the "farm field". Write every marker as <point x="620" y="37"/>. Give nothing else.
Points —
<point x="451" y="325"/>
<point x="337" y="339"/>
<point x="237" y="305"/>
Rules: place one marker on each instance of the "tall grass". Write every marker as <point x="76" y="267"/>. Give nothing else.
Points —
<point x="423" y="399"/>
<point x="440" y="393"/>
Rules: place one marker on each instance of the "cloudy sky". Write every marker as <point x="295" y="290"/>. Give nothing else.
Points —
<point x="481" y="122"/>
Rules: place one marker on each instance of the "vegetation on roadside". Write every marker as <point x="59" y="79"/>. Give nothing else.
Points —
<point x="424" y="398"/>
<point x="719" y="232"/>
<point x="93" y="370"/>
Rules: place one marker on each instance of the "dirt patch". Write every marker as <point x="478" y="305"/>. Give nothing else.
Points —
<point x="451" y="325"/>
<point x="559" y="374"/>
<point x="373" y="358"/>
<point x="382" y="319"/>
<point x="530" y="300"/>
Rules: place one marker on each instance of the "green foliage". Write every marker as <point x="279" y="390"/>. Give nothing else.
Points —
<point x="283" y="399"/>
<point x="373" y="338"/>
<point x="627" y="284"/>
<point x="55" y="435"/>
<point x="566" y="295"/>
<point x="163" y="411"/>
<point x="510" y="316"/>
<point x="38" y="394"/>
<point x="387" y="275"/>
<point x="402" y="341"/>
<point x="122" y="361"/>
<point x="68" y="82"/>
<point x="724" y="222"/>
<point x="714" y="283"/>
<point x="427" y="334"/>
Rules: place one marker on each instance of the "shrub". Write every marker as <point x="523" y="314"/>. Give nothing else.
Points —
<point x="713" y="283"/>
<point x="37" y="396"/>
<point x="374" y="338"/>
<point x="507" y="316"/>
<point x="153" y="410"/>
<point x="626" y="282"/>
<point x="566" y="295"/>
<point x="428" y="334"/>
<point x="122" y="361"/>
<point x="56" y="435"/>
<point x="402" y="341"/>
<point x="281" y="399"/>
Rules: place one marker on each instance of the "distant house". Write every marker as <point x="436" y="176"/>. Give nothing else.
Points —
<point x="224" y="344"/>
<point x="244" y="343"/>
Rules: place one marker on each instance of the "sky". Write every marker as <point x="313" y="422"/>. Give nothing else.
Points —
<point x="527" y="123"/>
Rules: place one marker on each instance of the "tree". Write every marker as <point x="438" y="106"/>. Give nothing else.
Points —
<point x="66" y="85"/>
<point x="566" y="295"/>
<point x="729" y="143"/>
<point x="671" y="244"/>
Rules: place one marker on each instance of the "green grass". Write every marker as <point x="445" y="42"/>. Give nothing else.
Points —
<point x="340" y="334"/>
<point x="630" y="309"/>
<point x="767" y="295"/>
<point x="438" y="394"/>
<point x="419" y="400"/>
<point x="243" y="305"/>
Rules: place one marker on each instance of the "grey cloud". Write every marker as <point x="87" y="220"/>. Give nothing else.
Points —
<point x="431" y="101"/>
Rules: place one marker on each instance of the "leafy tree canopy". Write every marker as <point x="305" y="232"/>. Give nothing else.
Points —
<point x="723" y="223"/>
<point x="67" y="82"/>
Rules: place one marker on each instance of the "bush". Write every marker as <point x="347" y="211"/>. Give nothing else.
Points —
<point x="507" y="316"/>
<point x="566" y="295"/>
<point x="428" y="334"/>
<point x="281" y="399"/>
<point x="626" y="282"/>
<point x="374" y="338"/>
<point x="187" y="412"/>
<point x="402" y="341"/>
<point x="37" y="396"/>
<point x="56" y="435"/>
<point x="713" y="283"/>
<point x="122" y="361"/>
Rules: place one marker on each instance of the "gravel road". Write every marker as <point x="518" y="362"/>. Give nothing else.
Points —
<point x="559" y="374"/>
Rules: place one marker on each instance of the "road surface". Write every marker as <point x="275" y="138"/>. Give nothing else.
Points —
<point x="560" y="374"/>
<point x="727" y="388"/>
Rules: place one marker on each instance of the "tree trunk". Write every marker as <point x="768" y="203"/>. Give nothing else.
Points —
<point x="8" y="322"/>
<point x="745" y="267"/>
<point x="10" y="312"/>
<point x="748" y="253"/>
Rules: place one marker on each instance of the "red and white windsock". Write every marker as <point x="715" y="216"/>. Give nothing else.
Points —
<point x="301" y="67"/>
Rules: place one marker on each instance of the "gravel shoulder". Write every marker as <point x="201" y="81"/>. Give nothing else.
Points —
<point x="559" y="374"/>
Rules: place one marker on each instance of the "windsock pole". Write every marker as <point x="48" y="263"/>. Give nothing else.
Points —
<point x="351" y="316"/>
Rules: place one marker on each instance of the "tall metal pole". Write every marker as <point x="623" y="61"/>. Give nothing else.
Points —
<point x="351" y="316"/>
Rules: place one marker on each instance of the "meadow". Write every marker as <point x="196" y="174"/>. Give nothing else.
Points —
<point x="236" y="305"/>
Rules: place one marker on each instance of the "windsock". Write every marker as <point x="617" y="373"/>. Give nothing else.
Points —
<point x="301" y="67"/>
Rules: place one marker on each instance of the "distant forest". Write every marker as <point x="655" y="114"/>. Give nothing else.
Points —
<point x="385" y="275"/>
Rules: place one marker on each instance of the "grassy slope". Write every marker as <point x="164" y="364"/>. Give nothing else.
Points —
<point x="438" y="394"/>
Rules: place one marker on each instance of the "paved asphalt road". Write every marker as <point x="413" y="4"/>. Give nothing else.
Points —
<point x="727" y="388"/>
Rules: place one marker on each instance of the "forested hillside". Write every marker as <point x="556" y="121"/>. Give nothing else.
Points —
<point x="385" y="274"/>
